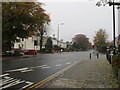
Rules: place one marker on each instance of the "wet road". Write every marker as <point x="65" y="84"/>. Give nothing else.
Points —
<point x="23" y="73"/>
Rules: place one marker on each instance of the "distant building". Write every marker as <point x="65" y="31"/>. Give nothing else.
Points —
<point x="29" y="43"/>
<point x="62" y="44"/>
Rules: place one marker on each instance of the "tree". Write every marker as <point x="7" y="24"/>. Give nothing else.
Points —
<point x="100" y="40"/>
<point x="49" y="45"/>
<point x="80" y="41"/>
<point x="105" y="2"/>
<point x="21" y="20"/>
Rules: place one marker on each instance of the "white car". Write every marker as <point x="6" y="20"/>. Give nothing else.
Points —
<point x="10" y="52"/>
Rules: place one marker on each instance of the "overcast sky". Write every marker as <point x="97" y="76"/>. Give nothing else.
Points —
<point x="78" y="18"/>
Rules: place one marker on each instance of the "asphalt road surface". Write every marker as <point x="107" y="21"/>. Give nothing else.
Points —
<point x="25" y="72"/>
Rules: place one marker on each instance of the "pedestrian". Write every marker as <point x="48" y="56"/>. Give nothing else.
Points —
<point x="97" y="53"/>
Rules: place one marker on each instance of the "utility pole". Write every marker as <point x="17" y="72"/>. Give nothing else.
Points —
<point x="113" y="28"/>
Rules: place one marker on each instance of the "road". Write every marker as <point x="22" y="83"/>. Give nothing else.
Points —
<point x="25" y="72"/>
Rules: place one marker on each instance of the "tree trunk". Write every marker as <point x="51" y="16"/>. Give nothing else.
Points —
<point x="41" y="40"/>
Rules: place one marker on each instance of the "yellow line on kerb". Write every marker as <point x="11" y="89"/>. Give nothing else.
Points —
<point x="39" y="84"/>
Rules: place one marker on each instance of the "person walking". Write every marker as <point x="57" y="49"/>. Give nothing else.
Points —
<point x="97" y="53"/>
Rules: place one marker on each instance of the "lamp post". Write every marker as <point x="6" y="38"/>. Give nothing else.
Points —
<point x="58" y="33"/>
<point x="113" y="28"/>
<point x="113" y="3"/>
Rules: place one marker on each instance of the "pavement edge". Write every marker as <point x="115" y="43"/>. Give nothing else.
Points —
<point x="41" y="83"/>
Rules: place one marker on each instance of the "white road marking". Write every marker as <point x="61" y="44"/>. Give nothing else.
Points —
<point x="29" y="83"/>
<point x="9" y="82"/>
<point x="12" y="84"/>
<point x="45" y="67"/>
<point x="58" y="65"/>
<point x="4" y="75"/>
<point x="39" y="66"/>
<point x="27" y="69"/>
<point x="21" y="69"/>
<point x="68" y="63"/>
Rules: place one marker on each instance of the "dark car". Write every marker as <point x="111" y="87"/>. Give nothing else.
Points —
<point x="31" y="52"/>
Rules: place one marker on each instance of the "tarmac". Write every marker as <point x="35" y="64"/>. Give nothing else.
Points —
<point x="11" y="58"/>
<point x="92" y="73"/>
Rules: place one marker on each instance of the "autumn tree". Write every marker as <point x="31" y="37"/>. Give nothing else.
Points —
<point x="80" y="41"/>
<point x="106" y="2"/>
<point x="100" y="40"/>
<point x="21" y="20"/>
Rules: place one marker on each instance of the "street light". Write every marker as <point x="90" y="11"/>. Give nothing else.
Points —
<point x="58" y="32"/>
<point x="113" y="3"/>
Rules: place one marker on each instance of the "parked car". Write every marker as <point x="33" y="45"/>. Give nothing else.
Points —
<point x="31" y="52"/>
<point x="24" y="50"/>
<point x="10" y="53"/>
<point x="15" y="52"/>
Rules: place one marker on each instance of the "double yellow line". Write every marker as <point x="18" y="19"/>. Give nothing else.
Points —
<point x="39" y="84"/>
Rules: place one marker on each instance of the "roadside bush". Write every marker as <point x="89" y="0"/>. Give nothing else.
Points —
<point x="116" y="63"/>
<point x="102" y="48"/>
<point x="116" y="59"/>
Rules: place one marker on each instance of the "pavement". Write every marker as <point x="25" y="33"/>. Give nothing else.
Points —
<point x="92" y="73"/>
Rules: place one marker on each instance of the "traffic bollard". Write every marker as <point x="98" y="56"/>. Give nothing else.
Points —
<point x="90" y="55"/>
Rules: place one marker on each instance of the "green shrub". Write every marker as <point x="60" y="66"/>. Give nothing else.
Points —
<point x="116" y="58"/>
<point x="102" y="48"/>
<point x="116" y="63"/>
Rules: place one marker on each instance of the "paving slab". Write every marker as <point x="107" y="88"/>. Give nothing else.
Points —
<point x="92" y="73"/>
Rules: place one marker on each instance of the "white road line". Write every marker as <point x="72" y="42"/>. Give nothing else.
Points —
<point x="68" y="63"/>
<point x="21" y="69"/>
<point x="45" y="67"/>
<point x="12" y="80"/>
<point x="4" y="75"/>
<point x="29" y="83"/>
<point x="58" y="65"/>
<point x="12" y="84"/>
<point x="7" y="82"/>
<point x="27" y="70"/>
<point x="39" y="66"/>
